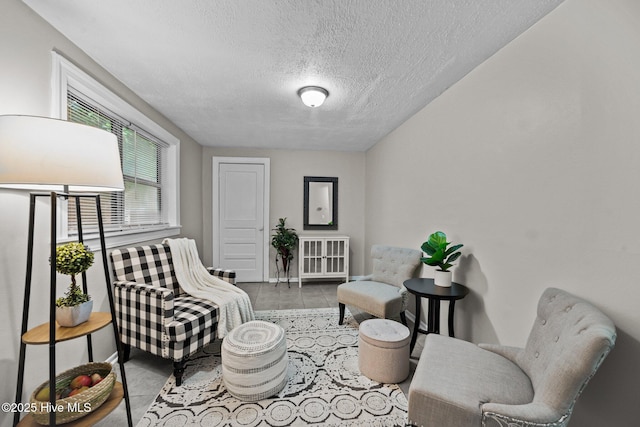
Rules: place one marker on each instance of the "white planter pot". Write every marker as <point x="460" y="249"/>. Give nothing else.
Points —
<point x="442" y="278"/>
<point x="73" y="316"/>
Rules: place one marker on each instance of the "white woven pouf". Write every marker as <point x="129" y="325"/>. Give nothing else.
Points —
<point x="254" y="360"/>
<point x="383" y="350"/>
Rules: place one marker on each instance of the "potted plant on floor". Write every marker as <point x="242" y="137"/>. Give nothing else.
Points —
<point x="75" y="307"/>
<point x="284" y="241"/>
<point x="440" y="255"/>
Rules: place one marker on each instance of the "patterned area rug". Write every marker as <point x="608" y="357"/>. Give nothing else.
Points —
<point x="325" y="387"/>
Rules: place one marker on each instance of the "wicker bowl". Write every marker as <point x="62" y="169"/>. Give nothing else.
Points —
<point x="79" y="405"/>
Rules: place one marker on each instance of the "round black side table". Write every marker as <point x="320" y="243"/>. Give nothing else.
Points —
<point x="425" y="288"/>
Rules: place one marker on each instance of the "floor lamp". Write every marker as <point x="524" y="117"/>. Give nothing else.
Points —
<point x="59" y="159"/>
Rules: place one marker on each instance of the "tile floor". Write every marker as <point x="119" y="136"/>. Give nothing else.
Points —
<point x="268" y="296"/>
<point x="146" y="374"/>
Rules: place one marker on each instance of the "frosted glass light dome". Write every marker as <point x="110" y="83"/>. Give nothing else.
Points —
<point x="313" y="96"/>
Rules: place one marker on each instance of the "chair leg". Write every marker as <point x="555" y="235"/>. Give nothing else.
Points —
<point x="403" y="318"/>
<point x="178" y="371"/>
<point x="126" y="351"/>
<point x="341" y="308"/>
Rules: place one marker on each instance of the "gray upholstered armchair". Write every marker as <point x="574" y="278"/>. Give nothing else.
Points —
<point x="457" y="383"/>
<point x="382" y="292"/>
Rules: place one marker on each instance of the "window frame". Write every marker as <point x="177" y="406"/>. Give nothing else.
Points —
<point x="65" y="75"/>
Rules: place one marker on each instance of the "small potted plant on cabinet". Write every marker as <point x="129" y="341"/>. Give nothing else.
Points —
<point x="440" y="256"/>
<point x="75" y="307"/>
<point x="284" y="241"/>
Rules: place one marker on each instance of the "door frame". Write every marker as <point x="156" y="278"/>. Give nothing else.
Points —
<point x="215" y="199"/>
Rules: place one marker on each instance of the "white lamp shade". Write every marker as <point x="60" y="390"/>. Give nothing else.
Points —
<point x="313" y="96"/>
<point x="40" y="153"/>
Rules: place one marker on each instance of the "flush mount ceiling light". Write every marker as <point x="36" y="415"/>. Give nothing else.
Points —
<point x="313" y="96"/>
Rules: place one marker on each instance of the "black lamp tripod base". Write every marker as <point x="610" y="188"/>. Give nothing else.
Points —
<point x="52" y="298"/>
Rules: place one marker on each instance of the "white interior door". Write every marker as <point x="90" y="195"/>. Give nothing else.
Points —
<point x="241" y="219"/>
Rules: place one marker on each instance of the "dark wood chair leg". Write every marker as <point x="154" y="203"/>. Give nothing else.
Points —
<point x="403" y="318"/>
<point x="341" y="308"/>
<point x="126" y="351"/>
<point x="178" y="371"/>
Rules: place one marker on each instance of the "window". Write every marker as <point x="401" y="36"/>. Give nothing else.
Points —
<point x="148" y="156"/>
<point x="141" y="160"/>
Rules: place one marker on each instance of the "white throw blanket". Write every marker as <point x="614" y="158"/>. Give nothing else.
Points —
<point x="234" y="306"/>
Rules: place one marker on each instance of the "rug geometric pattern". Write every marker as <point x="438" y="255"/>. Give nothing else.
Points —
<point x="325" y="387"/>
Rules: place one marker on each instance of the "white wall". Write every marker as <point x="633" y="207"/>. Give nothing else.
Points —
<point x="533" y="162"/>
<point x="26" y="42"/>
<point x="288" y="169"/>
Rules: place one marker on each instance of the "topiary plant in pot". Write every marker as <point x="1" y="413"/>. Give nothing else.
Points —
<point x="75" y="307"/>
<point x="440" y="255"/>
<point x="284" y="241"/>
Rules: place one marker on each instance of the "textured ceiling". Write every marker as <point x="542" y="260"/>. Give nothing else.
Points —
<point x="227" y="72"/>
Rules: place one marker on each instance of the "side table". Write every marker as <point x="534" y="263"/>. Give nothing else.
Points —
<point x="425" y="288"/>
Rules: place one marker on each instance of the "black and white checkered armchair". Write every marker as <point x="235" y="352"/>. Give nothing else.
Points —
<point x="153" y="313"/>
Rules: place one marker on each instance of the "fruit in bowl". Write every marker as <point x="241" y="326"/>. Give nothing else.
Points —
<point x="95" y="379"/>
<point x="81" y="381"/>
<point x="43" y="394"/>
<point x="87" y="397"/>
<point x="78" y="390"/>
<point x="77" y="385"/>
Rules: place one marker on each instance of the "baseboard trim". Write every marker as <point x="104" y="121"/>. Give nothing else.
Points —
<point x="291" y="279"/>
<point x="412" y="317"/>
<point x="113" y="359"/>
<point x="295" y="279"/>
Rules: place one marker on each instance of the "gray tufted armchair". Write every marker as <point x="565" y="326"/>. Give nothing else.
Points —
<point x="457" y="383"/>
<point x="382" y="292"/>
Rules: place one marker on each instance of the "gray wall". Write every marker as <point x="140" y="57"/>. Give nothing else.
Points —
<point x="288" y="169"/>
<point x="533" y="162"/>
<point x="26" y="42"/>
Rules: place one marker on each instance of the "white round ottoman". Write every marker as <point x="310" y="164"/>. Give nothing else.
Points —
<point x="383" y="354"/>
<point x="254" y="360"/>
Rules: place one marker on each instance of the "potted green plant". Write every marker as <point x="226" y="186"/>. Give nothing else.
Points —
<point x="440" y="255"/>
<point x="284" y="241"/>
<point x="75" y="307"/>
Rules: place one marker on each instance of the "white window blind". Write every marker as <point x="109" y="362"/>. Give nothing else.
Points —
<point x="142" y="157"/>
